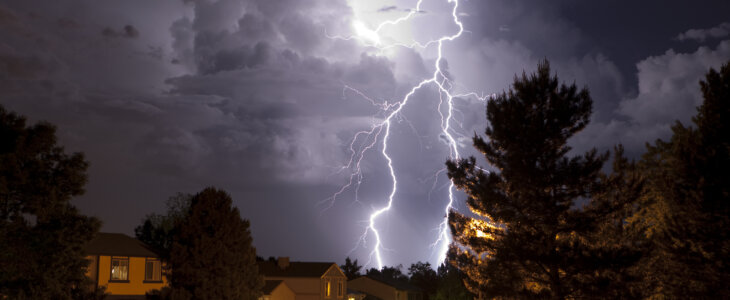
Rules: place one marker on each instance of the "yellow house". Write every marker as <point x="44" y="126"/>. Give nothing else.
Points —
<point x="277" y="290"/>
<point x="126" y="267"/>
<point x="308" y="280"/>
<point x="385" y="290"/>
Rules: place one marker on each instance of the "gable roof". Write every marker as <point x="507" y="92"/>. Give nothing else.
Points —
<point x="295" y="269"/>
<point x="117" y="244"/>
<point x="270" y="286"/>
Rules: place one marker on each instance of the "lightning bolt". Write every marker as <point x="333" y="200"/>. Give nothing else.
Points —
<point x="367" y="139"/>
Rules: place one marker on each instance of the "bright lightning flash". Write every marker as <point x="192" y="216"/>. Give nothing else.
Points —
<point x="367" y="139"/>
<point x="371" y="36"/>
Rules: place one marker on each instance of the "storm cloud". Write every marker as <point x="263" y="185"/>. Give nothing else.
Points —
<point x="258" y="97"/>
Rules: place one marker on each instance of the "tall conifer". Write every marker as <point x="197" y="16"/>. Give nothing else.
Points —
<point x="534" y="233"/>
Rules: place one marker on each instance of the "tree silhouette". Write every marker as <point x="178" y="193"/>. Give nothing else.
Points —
<point x="424" y="277"/>
<point x="158" y="230"/>
<point x="388" y="274"/>
<point x="451" y="284"/>
<point x="351" y="269"/>
<point x="212" y="256"/>
<point x="687" y="201"/>
<point x="42" y="236"/>
<point x="534" y="230"/>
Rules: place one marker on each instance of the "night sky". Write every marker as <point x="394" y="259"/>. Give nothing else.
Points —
<point x="262" y="98"/>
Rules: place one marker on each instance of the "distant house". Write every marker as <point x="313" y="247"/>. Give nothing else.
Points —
<point x="277" y="290"/>
<point x="385" y="290"/>
<point x="124" y="265"/>
<point x="308" y="280"/>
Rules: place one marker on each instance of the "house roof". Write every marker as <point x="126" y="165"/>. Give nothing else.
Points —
<point x="295" y="269"/>
<point x="270" y="286"/>
<point x="401" y="286"/>
<point x="118" y="244"/>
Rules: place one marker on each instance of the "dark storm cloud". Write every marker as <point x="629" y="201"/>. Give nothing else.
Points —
<point x="625" y="111"/>
<point x="128" y="31"/>
<point x="242" y="118"/>
<point x="249" y="96"/>
<point x="67" y="23"/>
<point x="387" y="8"/>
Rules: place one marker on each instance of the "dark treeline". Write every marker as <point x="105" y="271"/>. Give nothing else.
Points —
<point x="445" y="283"/>
<point x="549" y="225"/>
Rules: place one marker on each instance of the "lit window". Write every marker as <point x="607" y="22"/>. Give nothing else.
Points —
<point x="152" y="270"/>
<point x="120" y="268"/>
<point x="328" y="288"/>
<point x="340" y="288"/>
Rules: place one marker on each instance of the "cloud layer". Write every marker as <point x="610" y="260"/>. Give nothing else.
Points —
<point x="259" y="97"/>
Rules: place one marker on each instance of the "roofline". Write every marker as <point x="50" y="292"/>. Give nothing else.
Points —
<point x="127" y="255"/>
<point x="338" y="269"/>
<point x="288" y="276"/>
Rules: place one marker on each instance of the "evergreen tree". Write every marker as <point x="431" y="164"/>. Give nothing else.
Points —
<point x="42" y="236"/>
<point x="388" y="274"/>
<point x="212" y="256"/>
<point x="158" y="230"/>
<point x="351" y="269"/>
<point x="615" y="245"/>
<point x="451" y="284"/>
<point x="424" y="277"/>
<point x="687" y="201"/>
<point x="545" y="242"/>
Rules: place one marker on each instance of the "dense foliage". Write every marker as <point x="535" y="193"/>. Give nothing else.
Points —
<point x="446" y="283"/>
<point x="686" y="204"/>
<point x="42" y="236"/>
<point x="157" y="230"/>
<point x="538" y="218"/>
<point x="211" y="255"/>
<point x="351" y="269"/>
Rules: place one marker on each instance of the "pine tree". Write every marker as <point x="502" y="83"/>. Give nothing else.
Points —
<point x="42" y="236"/>
<point x="535" y="233"/>
<point x="451" y="284"/>
<point x="687" y="201"/>
<point x="424" y="277"/>
<point x="212" y="256"/>
<point x="351" y="269"/>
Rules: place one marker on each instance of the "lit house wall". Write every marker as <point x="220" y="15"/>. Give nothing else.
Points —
<point x="141" y="275"/>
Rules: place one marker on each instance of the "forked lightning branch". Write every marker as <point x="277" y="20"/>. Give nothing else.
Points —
<point x="366" y="140"/>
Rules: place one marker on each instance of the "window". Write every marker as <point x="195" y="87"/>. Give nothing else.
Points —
<point x="152" y="270"/>
<point x="120" y="268"/>
<point x="340" y="288"/>
<point x="327" y="289"/>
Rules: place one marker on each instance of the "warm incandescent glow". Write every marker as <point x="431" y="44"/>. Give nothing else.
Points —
<point x="481" y="228"/>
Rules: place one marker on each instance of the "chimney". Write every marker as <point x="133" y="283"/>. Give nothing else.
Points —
<point x="283" y="262"/>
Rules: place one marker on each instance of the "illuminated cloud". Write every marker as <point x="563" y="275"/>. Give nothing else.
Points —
<point x="250" y="96"/>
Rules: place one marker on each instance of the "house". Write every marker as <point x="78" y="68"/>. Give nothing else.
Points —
<point x="277" y="290"/>
<point x="308" y="280"/>
<point x="385" y="290"/>
<point x="126" y="267"/>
